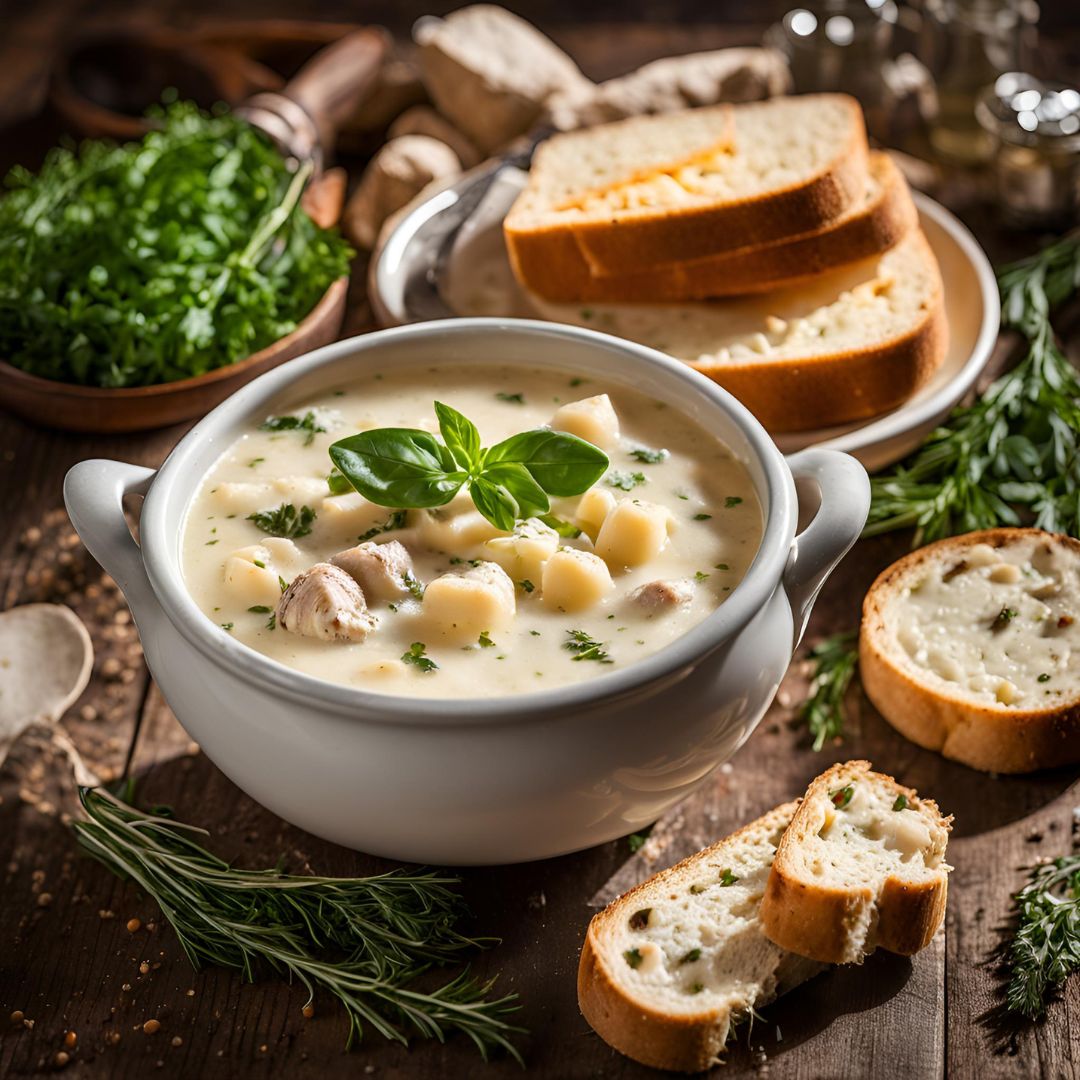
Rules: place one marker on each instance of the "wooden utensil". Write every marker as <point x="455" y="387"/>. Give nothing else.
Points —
<point x="302" y="120"/>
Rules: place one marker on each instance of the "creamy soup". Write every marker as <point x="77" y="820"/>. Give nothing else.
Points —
<point x="441" y="603"/>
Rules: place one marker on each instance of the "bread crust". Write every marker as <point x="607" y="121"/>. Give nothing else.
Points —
<point x="650" y="238"/>
<point x="679" y="1043"/>
<point x="557" y="271"/>
<point x="998" y="739"/>
<point x="815" y="920"/>
<point x="834" y="388"/>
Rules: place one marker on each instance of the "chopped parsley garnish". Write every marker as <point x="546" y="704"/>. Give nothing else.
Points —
<point x="727" y="877"/>
<point x="511" y="399"/>
<point x="696" y="988"/>
<point x="647" y="456"/>
<point x="633" y="957"/>
<point x="901" y="802"/>
<point x="1003" y="618"/>
<point x="484" y="640"/>
<point x="416" y="656"/>
<point x="260" y="609"/>
<point x="282" y="583"/>
<point x="227" y="626"/>
<point x="527" y="585"/>
<point x="285" y="521"/>
<point x="586" y="648"/>
<point x="271" y="623"/>
<point x="577" y="382"/>
<point x="259" y="563"/>
<point x="732" y="500"/>
<point x="692" y="957"/>
<point x="210" y="543"/>
<point x="1044" y="677"/>
<point x="394" y="522"/>
<point x="563" y="528"/>
<point x="625" y="481"/>
<point x="721" y="566"/>
<point x="703" y="517"/>
<point x="414" y="586"/>
<point x="255" y="461"/>
<point x="535" y="633"/>
<point x="308" y="423"/>
<point x="842" y="796"/>
<point x="700" y="575"/>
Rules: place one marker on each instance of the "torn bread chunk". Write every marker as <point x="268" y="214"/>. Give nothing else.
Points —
<point x="861" y="866"/>
<point x="383" y="571"/>
<point x="325" y="602"/>
<point x="668" y="969"/>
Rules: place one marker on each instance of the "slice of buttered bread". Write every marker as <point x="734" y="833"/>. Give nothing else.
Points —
<point x="667" y="969"/>
<point x="971" y="646"/>
<point x="862" y="865"/>
<point x="866" y="230"/>
<point x="845" y="346"/>
<point x="661" y="189"/>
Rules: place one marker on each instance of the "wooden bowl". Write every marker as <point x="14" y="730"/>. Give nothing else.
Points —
<point x="139" y="408"/>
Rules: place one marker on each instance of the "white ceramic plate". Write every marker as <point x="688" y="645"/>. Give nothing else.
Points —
<point x="472" y="277"/>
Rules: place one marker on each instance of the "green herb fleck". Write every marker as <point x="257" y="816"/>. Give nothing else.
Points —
<point x="260" y="609"/>
<point x="285" y="521"/>
<point x="527" y="585"/>
<point x="307" y="423"/>
<point x="700" y="575"/>
<point x="625" y="481"/>
<point x="415" y="588"/>
<point x="649" y="457"/>
<point x="282" y="583"/>
<point x="586" y="648"/>
<point x="703" y="517"/>
<point x="227" y="626"/>
<point x="1003" y="618"/>
<point x="416" y="656"/>
<point x="727" y="877"/>
<point x="842" y="796"/>
<point x="394" y="522"/>
<point x="732" y="500"/>
<point x="633" y="957"/>
<point x="1044" y="677"/>
<point x="511" y="399"/>
<point x="255" y="461"/>
<point x="484" y="641"/>
<point x="721" y="566"/>
<point x="563" y="528"/>
<point x="696" y="988"/>
<point x="901" y="802"/>
<point x="692" y="957"/>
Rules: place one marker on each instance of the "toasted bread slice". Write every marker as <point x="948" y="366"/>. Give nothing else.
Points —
<point x="861" y="865"/>
<point x="668" y="968"/>
<point x="866" y="230"/>
<point x="664" y="193"/>
<point x="971" y="646"/>
<point x="845" y="346"/>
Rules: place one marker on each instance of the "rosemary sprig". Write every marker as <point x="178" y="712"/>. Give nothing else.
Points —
<point x="834" y="660"/>
<point x="363" y="940"/>
<point x="1015" y="454"/>
<point x="1046" y="948"/>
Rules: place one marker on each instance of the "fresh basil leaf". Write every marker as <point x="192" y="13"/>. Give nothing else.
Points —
<point x="460" y="435"/>
<point x="517" y="482"/>
<point x="561" y="464"/>
<point x="564" y="528"/>
<point x="495" y="503"/>
<point x="399" y="467"/>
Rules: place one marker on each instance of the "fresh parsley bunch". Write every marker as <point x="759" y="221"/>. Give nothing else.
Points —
<point x="407" y="468"/>
<point x="161" y="259"/>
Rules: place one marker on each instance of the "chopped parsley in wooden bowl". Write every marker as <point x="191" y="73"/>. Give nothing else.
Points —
<point x="141" y="284"/>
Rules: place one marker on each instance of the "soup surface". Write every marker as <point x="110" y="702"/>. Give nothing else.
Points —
<point x="460" y="608"/>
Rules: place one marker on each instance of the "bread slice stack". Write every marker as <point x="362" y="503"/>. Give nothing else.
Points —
<point x="668" y="969"/>
<point x="971" y="646"/>
<point x="770" y="217"/>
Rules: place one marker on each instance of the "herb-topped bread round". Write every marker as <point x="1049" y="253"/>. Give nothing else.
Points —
<point x="971" y="646"/>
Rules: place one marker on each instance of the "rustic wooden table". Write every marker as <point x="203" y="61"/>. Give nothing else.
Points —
<point x="68" y="963"/>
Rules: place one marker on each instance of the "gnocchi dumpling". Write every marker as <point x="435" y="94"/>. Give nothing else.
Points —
<point x="462" y="606"/>
<point x="633" y="533"/>
<point x="350" y="514"/>
<point x="593" y="507"/>
<point x="457" y="528"/>
<point x="592" y="419"/>
<point x="523" y="553"/>
<point x="245" y="497"/>
<point x="250" y="579"/>
<point x="575" y="580"/>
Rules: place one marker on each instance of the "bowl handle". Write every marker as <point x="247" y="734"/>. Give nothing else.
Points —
<point x="844" y="501"/>
<point x="94" y="495"/>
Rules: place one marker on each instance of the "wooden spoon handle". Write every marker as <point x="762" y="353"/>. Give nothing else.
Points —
<point x="332" y="85"/>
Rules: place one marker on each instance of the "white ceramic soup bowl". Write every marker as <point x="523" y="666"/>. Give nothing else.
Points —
<point x="485" y="780"/>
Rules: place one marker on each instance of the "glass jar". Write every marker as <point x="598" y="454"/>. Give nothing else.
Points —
<point x="1034" y="127"/>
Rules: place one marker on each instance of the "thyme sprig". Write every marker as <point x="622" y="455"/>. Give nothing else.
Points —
<point x="1046" y="948"/>
<point x="1015" y="454"/>
<point x="834" y="661"/>
<point x="362" y="940"/>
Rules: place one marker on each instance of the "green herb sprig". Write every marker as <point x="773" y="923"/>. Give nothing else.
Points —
<point x="161" y="259"/>
<point x="586" y="648"/>
<point x="308" y="423"/>
<point x="410" y="468"/>
<point x="834" y="661"/>
<point x="286" y="521"/>
<point x="364" y="940"/>
<point x="1046" y="948"/>
<point x="1015" y="454"/>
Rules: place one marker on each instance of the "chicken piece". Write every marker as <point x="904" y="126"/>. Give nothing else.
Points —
<point x="575" y="580"/>
<point x="462" y="606"/>
<point x="592" y="419"/>
<point x="324" y="602"/>
<point x="383" y="571"/>
<point x="659" y="596"/>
